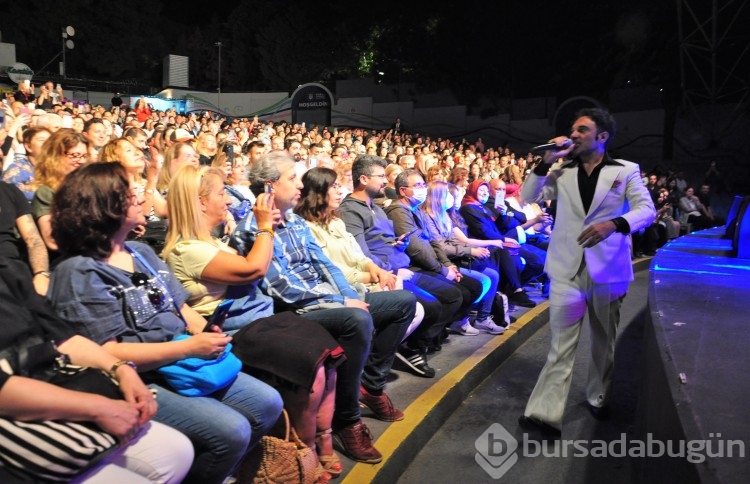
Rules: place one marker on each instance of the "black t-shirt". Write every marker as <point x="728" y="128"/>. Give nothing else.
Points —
<point x="13" y="204"/>
<point x="23" y="312"/>
<point x="21" y="97"/>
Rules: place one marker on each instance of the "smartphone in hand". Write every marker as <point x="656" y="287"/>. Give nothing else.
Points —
<point x="219" y="316"/>
<point x="405" y="236"/>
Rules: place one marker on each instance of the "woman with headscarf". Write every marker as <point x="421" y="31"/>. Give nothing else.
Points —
<point x="481" y="224"/>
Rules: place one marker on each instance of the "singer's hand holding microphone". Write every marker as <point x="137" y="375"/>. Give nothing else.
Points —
<point x="556" y="148"/>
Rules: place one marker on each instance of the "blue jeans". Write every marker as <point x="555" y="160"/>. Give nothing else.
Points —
<point x="489" y="279"/>
<point x="223" y="426"/>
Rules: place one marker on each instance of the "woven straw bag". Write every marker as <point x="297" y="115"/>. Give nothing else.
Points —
<point x="280" y="460"/>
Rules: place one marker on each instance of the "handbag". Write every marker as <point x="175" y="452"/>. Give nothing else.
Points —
<point x="279" y="460"/>
<point x="55" y="450"/>
<point x="196" y="377"/>
<point x="471" y="262"/>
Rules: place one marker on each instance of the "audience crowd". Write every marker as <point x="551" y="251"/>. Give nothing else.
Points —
<point x="375" y="243"/>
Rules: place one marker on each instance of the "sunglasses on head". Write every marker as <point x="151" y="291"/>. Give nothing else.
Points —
<point x="155" y="294"/>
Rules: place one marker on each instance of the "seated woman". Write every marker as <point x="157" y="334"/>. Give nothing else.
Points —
<point x="538" y="224"/>
<point x="148" y="451"/>
<point x="468" y="254"/>
<point x="122" y="296"/>
<point x="481" y="225"/>
<point x="154" y="205"/>
<point x="692" y="211"/>
<point x="206" y="147"/>
<point x="62" y="153"/>
<point x="212" y="272"/>
<point x="320" y="198"/>
<point x="391" y="172"/>
<point x="234" y="172"/>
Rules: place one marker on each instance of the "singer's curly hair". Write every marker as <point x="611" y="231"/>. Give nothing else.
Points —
<point x="603" y="119"/>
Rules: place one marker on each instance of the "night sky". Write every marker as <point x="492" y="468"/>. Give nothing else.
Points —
<point x="477" y="49"/>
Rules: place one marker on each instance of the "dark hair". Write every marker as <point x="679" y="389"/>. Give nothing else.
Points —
<point x="29" y="133"/>
<point x="402" y="180"/>
<point x="363" y="166"/>
<point x="88" y="208"/>
<point x="250" y="145"/>
<point x="602" y="119"/>
<point x="90" y="123"/>
<point x="313" y="203"/>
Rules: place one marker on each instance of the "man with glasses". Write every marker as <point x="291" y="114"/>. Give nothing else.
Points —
<point x="426" y="258"/>
<point x="372" y="229"/>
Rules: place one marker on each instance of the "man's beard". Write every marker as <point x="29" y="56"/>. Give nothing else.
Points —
<point x="373" y="192"/>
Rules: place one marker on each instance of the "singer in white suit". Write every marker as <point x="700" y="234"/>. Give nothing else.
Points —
<point x="600" y="201"/>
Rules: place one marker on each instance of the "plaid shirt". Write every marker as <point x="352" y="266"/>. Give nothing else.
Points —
<point x="300" y="274"/>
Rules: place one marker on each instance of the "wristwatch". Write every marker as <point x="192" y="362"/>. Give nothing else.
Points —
<point x="113" y="370"/>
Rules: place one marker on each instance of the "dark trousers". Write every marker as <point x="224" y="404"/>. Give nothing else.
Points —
<point x="370" y="340"/>
<point x="442" y="302"/>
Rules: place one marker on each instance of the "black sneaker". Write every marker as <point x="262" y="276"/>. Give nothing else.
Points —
<point x="415" y="361"/>
<point x="522" y="299"/>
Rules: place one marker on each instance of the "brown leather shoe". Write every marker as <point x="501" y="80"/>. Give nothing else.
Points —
<point x="355" y="441"/>
<point x="381" y="406"/>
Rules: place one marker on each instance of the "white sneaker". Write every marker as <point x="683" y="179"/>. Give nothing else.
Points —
<point x="464" y="327"/>
<point x="488" y="325"/>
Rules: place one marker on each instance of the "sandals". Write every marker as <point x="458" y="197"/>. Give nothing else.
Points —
<point x="329" y="462"/>
<point x="321" y="475"/>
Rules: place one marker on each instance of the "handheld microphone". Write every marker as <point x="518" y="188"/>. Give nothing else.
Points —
<point x="551" y="146"/>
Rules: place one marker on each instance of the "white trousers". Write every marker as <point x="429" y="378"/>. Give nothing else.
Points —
<point x="570" y="301"/>
<point x="158" y="454"/>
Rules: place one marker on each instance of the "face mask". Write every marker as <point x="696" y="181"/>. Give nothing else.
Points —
<point x="420" y="194"/>
<point x="449" y="202"/>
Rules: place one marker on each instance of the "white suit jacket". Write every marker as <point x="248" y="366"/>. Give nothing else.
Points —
<point x="619" y="193"/>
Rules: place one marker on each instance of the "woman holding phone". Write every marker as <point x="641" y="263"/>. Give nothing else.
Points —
<point x="213" y="273"/>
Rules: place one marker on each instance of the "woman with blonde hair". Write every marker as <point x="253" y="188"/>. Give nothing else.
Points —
<point x="207" y="147"/>
<point x="344" y="173"/>
<point x="212" y="273"/>
<point x="469" y="255"/>
<point x="180" y="153"/>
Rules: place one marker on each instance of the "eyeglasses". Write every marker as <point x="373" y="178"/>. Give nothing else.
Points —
<point x="418" y="185"/>
<point x="77" y="156"/>
<point x="155" y="294"/>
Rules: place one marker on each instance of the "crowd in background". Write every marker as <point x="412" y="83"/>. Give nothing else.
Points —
<point x="313" y="223"/>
